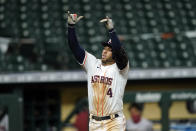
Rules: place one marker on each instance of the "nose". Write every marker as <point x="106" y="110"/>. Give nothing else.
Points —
<point x="104" y="51"/>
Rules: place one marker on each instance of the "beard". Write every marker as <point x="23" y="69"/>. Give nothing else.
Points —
<point x="106" y="61"/>
<point x="103" y="61"/>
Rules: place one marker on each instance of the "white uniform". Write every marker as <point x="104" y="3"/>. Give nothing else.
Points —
<point x="106" y="86"/>
<point x="143" y="125"/>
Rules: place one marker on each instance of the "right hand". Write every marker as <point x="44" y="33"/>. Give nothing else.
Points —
<point x="108" y="22"/>
<point x="73" y="18"/>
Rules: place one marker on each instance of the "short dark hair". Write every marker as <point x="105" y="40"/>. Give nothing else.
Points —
<point x="138" y="106"/>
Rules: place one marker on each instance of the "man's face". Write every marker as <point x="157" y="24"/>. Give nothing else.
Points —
<point x="107" y="55"/>
<point x="135" y="111"/>
<point x="135" y="114"/>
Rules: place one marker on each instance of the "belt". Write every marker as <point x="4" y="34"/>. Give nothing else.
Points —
<point x="105" y="117"/>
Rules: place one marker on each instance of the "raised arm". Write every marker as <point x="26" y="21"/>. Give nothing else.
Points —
<point x="118" y="51"/>
<point x="74" y="45"/>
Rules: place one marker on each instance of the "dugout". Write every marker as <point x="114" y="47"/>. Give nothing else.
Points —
<point x="165" y="96"/>
<point x="11" y="109"/>
<point x="42" y="106"/>
<point x="51" y="104"/>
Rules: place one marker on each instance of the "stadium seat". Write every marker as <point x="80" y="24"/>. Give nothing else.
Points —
<point x="45" y="21"/>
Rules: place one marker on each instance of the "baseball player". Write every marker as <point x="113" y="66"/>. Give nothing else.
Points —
<point x="107" y="78"/>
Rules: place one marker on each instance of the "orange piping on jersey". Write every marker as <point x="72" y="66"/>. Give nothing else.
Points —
<point x="98" y="104"/>
<point x="85" y="59"/>
<point x="103" y="93"/>
<point x="102" y="98"/>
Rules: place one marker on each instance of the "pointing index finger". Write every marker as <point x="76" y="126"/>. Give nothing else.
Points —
<point x="68" y="12"/>
<point x="107" y="17"/>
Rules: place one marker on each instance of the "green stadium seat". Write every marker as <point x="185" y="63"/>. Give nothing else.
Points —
<point x="45" y="21"/>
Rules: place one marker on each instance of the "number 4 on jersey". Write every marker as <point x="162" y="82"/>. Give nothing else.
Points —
<point x="109" y="92"/>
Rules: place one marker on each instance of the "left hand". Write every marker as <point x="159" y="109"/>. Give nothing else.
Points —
<point x="73" y="18"/>
<point x="108" y="22"/>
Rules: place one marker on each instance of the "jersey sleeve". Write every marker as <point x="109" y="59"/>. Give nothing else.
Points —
<point x="125" y="71"/>
<point x="89" y="62"/>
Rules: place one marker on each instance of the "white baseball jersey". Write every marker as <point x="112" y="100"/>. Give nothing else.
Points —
<point x="106" y="86"/>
